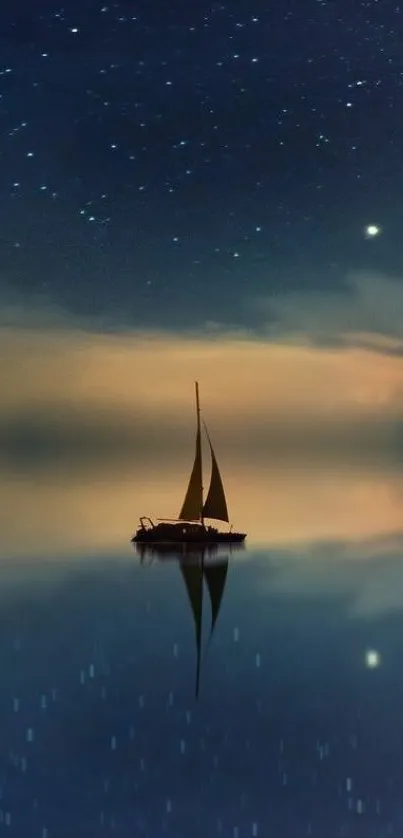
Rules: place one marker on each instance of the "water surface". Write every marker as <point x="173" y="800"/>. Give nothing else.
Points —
<point x="298" y="724"/>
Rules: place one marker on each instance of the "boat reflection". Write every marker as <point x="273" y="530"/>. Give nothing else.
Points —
<point x="201" y="567"/>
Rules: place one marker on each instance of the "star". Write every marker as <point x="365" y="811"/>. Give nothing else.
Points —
<point x="372" y="659"/>
<point x="371" y="231"/>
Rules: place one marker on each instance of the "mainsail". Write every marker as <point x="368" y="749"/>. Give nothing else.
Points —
<point x="215" y="505"/>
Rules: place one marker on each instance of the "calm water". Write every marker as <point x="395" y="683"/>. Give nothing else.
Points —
<point x="298" y="727"/>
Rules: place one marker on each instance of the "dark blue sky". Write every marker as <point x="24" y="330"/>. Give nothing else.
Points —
<point x="167" y="162"/>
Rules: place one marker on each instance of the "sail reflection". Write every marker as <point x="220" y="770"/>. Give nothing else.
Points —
<point x="202" y="568"/>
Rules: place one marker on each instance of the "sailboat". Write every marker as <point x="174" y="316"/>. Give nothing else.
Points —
<point x="190" y="525"/>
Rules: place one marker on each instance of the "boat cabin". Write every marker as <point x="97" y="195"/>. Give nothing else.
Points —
<point x="171" y="530"/>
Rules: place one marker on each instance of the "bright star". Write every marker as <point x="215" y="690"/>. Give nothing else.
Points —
<point x="372" y="230"/>
<point x="372" y="659"/>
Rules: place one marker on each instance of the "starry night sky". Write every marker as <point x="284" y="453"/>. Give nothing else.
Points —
<point x="165" y="163"/>
<point x="213" y="191"/>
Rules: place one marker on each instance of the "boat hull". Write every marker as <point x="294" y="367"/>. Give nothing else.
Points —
<point x="183" y="533"/>
<point x="149" y="537"/>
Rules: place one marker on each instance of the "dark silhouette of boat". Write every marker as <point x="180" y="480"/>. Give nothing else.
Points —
<point x="200" y="568"/>
<point x="190" y="526"/>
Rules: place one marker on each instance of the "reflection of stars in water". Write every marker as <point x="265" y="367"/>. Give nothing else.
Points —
<point x="372" y="659"/>
<point x="372" y="230"/>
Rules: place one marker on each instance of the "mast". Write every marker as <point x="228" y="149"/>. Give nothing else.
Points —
<point x="192" y="507"/>
<point x="199" y="437"/>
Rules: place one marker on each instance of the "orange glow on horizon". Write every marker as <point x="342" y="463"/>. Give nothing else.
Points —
<point x="277" y="508"/>
<point x="246" y="387"/>
<point x="154" y="374"/>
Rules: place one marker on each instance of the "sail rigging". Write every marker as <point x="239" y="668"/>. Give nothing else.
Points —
<point x="215" y="505"/>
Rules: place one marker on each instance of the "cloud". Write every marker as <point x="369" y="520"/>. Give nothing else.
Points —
<point x="325" y="384"/>
<point x="240" y="377"/>
<point x="69" y="439"/>
<point x="40" y="312"/>
<point x="79" y="397"/>
<point x="366" y="312"/>
<point x="97" y="424"/>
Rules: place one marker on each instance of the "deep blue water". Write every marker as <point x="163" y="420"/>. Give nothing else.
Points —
<point x="292" y="735"/>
